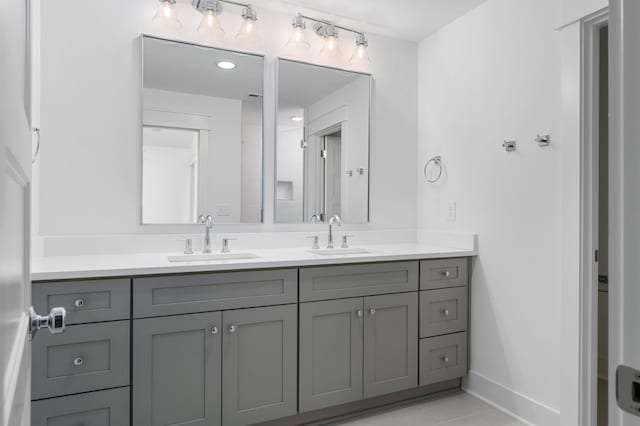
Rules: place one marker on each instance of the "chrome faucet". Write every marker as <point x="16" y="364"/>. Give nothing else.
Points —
<point x="334" y="219"/>
<point x="207" y="221"/>
<point x="315" y="218"/>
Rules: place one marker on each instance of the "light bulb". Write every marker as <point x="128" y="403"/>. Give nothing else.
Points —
<point x="248" y="32"/>
<point x="361" y="54"/>
<point x="210" y="27"/>
<point x="330" y="48"/>
<point x="298" y="38"/>
<point x="166" y="15"/>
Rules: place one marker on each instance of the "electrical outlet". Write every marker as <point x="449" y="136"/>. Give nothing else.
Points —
<point x="223" y="210"/>
<point x="451" y="217"/>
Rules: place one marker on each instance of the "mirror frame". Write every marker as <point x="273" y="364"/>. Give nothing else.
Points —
<point x="275" y="145"/>
<point x="167" y="227"/>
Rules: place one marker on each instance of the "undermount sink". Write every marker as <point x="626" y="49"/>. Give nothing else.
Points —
<point x="211" y="257"/>
<point x="340" y="251"/>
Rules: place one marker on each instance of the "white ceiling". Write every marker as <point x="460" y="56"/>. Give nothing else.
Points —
<point x="404" y="19"/>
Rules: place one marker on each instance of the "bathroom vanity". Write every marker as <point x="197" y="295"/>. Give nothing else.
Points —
<point x="295" y="337"/>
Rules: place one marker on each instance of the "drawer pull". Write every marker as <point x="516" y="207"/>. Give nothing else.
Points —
<point x="445" y="359"/>
<point x="79" y="303"/>
<point x="372" y="311"/>
<point x="232" y="329"/>
<point x="78" y="361"/>
<point x="445" y="312"/>
<point x="359" y="313"/>
<point x="214" y="330"/>
<point x="447" y="274"/>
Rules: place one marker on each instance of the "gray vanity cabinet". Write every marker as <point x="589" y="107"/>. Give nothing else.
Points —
<point x="259" y="364"/>
<point x="390" y="343"/>
<point x="331" y="345"/>
<point x="177" y="370"/>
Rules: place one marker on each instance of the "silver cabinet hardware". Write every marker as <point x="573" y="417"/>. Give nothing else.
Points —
<point x="350" y="173"/>
<point x="445" y="312"/>
<point x="447" y="274"/>
<point x="345" y="240"/>
<point x="232" y="329"/>
<point x="78" y="361"/>
<point x="188" y="246"/>
<point x="79" y="303"/>
<point x="437" y="162"/>
<point x="214" y="330"/>
<point x="445" y="359"/>
<point x="372" y="311"/>
<point x="225" y="245"/>
<point x="54" y="321"/>
<point x="509" y="145"/>
<point x="359" y="313"/>
<point x="316" y="243"/>
<point x="360" y="170"/>
<point x="543" y="140"/>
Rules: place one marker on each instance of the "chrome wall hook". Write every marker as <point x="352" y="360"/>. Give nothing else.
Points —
<point x="509" y="146"/>
<point x="543" y="140"/>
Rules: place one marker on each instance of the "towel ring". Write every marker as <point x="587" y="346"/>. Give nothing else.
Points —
<point x="437" y="160"/>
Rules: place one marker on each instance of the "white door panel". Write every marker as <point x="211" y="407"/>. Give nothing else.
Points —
<point x="624" y="210"/>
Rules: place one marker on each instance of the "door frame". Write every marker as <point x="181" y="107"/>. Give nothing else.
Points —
<point x="589" y="216"/>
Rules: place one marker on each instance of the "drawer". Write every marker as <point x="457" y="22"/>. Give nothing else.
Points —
<point x="182" y="294"/>
<point x="103" y="408"/>
<point x="443" y="273"/>
<point x="84" y="358"/>
<point x="335" y="282"/>
<point x="443" y="311"/>
<point x="85" y="301"/>
<point x="443" y="358"/>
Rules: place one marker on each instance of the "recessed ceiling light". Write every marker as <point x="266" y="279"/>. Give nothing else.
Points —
<point x="296" y="118"/>
<point x="226" y="65"/>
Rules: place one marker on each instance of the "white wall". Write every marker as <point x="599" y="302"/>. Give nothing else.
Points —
<point x="573" y="10"/>
<point x="495" y="74"/>
<point x="91" y="114"/>
<point x="290" y="169"/>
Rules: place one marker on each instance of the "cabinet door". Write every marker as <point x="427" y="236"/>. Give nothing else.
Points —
<point x="176" y="370"/>
<point x="330" y="353"/>
<point x="259" y="364"/>
<point x="390" y="343"/>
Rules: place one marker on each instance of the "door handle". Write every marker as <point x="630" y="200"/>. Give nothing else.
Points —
<point x="55" y="321"/>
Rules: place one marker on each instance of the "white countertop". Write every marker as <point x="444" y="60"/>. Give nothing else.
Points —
<point x="128" y="265"/>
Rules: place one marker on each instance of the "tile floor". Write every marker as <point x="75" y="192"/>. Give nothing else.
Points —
<point x="458" y="409"/>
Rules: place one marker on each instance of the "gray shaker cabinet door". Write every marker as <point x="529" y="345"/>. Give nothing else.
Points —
<point x="390" y="343"/>
<point x="330" y="353"/>
<point x="176" y="370"/>
<point x="259" y="376"/>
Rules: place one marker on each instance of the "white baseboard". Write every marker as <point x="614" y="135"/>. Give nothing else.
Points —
<point x="522" y="407"/>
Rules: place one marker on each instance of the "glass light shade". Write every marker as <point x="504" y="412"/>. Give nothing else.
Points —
<point x="360" y="56"/>
<point x="330" y="48"/>
<point x="167" y="16"/>
<point x="298" y="40"/>
<point x="210" y="27"/>
<point x="248" y="32"/>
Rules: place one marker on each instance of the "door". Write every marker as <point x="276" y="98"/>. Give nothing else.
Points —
<point x="624" y="212"/>
<point x="390" y="343"/>
<point x="15" y="178"/>
<point x="177" y="370"/>
<point x="330" y="353"/>
<point x="259" y="364"/>
<point x="333" y="174"/>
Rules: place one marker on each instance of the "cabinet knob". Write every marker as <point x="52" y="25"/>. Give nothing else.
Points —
<point x="359" y="313"/>
<point x="214" y="330"/>
<point x="232" y="329"/>
<point x="445" y="312"/>
<point x="372" y="311"/>
<point x="445" y="359"/>
<point x="79" y="303"/>
<point x="78" y="361"/>
<point x="447" y="274"/>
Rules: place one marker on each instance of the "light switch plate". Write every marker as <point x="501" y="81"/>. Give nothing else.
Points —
<point x="223" y="210"/>
<point x="452" y="212"/>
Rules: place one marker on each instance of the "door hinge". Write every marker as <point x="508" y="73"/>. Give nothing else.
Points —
<point x="323" y="153"/>
<point x="597" y="256"/>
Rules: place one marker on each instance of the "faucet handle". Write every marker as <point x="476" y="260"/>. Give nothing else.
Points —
<point x="316" y="243"/>
<point x="188" y="246"/>
<point x="225" y="244"/>
<point x="345" y="242"/>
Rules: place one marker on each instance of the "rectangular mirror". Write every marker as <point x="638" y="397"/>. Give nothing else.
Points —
<point x="322" y="144"/>
<point x="201" y="134"/>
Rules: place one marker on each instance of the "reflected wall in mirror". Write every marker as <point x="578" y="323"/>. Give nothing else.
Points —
<point x="322" y="144"/>
<point x="201" y="134"/>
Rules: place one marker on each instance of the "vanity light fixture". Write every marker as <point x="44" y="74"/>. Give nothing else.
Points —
<point x="298" y="38"/>
<point x="330" y="48"/>
<point x="248" y="32"/>
<point x="209" y="27"/>
<point x="226" y="65"/>
<point x="361" y="54"/>
<point x="166" y="15"/>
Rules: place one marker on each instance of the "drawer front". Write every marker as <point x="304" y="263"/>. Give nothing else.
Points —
<point x="335" y="282"/>
<point x="84" y="358"/>
<point x="443" y="358"/>
<point x="182" y="294"/>
<point x="85" y="301"/>
<point x="443" y="273"/>
<point x="104" y="408"/>
<point x="443" y="311"/>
